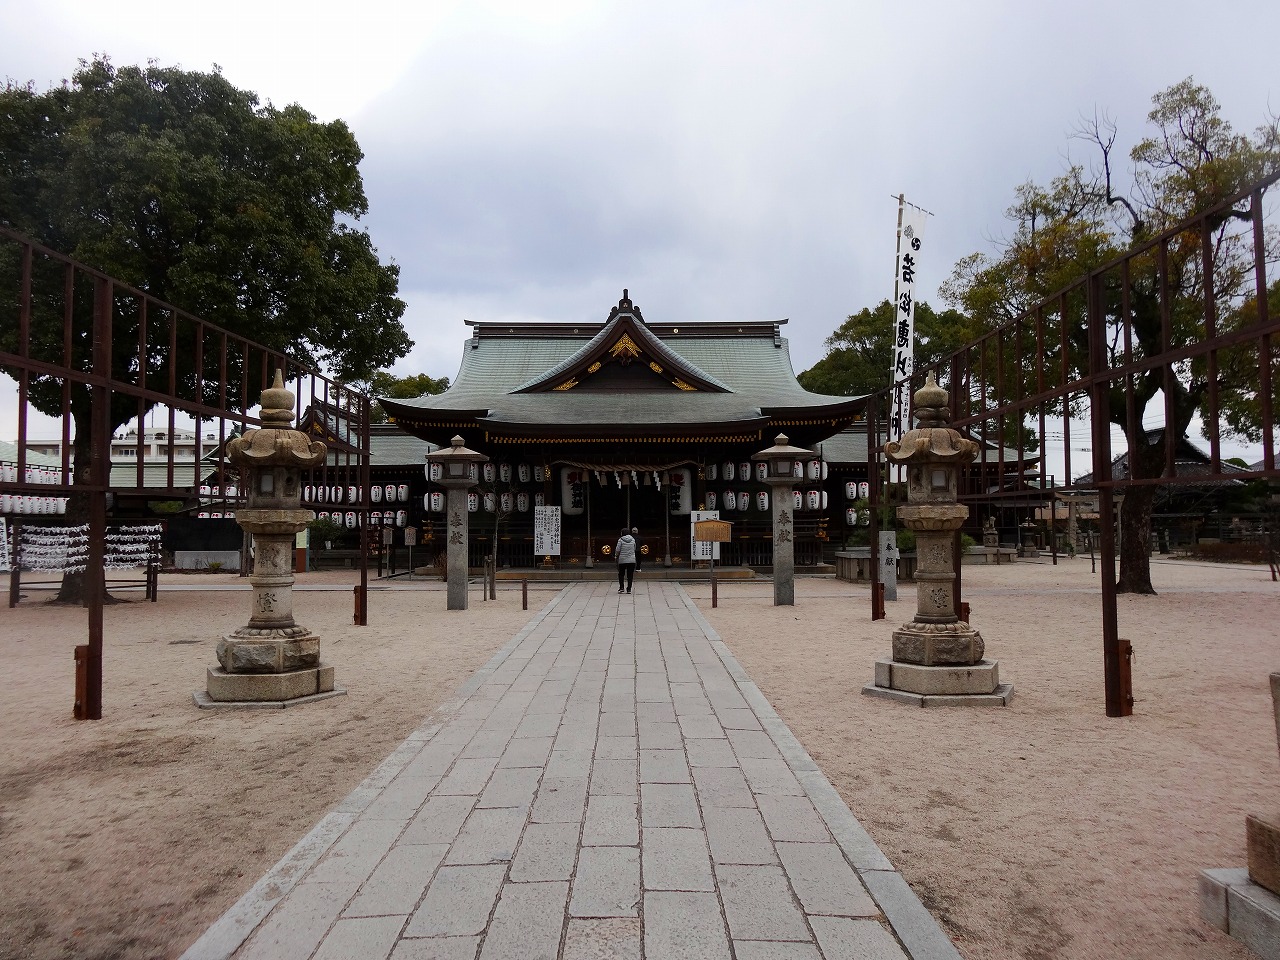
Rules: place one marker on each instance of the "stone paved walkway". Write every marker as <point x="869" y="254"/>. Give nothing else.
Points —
<point x="611" y="784"/>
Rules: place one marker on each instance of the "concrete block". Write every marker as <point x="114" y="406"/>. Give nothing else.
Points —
<point x="439" y="821"/>
<point x="1000" y="697"/>
<point x="664" y="766"/>
<point x="560" y="799"/>
<point x="616" y="938"/>
<point x="710" y="753"/>
<point x="489" y="836"/>
<point x="1213" y="894"/>
<point x="618" y="778"/>
<point x="738" y="836"/>
<point x="980" y="678"/>
<point x="668" y="805"/>
<point x="363" y="937"/>
<point x="792" y="818"/>
<point x="1254" y="917"/>
<point x="547" y="852"/>
<point x="527" y="922"/>
<point x="684" y="926"/>
<point x="607" y="883"/>
<point x="676" y="859"/>
<point x="722" y="787"/>
<point x="823" y="880"/>
<point x="845" y="939"/>
<point x="758" y="904"/>
<point x="458" y="902"/>
<point x="611" y="821"/>
<point x="398" y="882"/>
<point x="225" y="687"/>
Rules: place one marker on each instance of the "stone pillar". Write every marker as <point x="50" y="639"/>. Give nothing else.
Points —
<point x="936" y="657"/>
<point x="459" y="472"/>
<point x="784" y="547"/>
<point x="780" y="458"/>
<point x="272" y="659"/>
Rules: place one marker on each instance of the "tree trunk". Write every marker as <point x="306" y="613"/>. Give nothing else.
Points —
<point x="1135" y="541"/>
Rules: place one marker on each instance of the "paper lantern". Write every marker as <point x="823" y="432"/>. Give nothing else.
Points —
<point x="473" y="502"/>
<point x="744" y="472"/>
<point x="864" y="518"/>
<point x="851" y="490"/>
<point x="402" y="492"/>
<point x="204" y="490"/>
<point x="489" y="471"/>
<point x="375" y="518"/>
<point x="232" y="490"/>
<point x="437" y="502"/>
<point x="507" y="502"/>
<point x="711" y="501"/>
<point x="488" y="503"/>
<point x="730" y="500"/>
<point x="6" y="502"/>
<point x="825" y="470"/>
<point x="388" y="518"/>
<point x="730" y="471"/>
<point x="815" y="501"/>
<point x="215" y="516"/>
<point x="797" y="470"/>
<point x="504" y="472"/>
<point x="864" y="490"/>
<point x="539" y="499"/>
<point x="522" y="502"/>
<point x="815" y="469"/>
<point x="539" y="473"/>
<point x="712" y="471"/>
<point x="389" y="492"/>
<point x="762" y="500"/>
<point x="434" y="471"/>
<point x="798" y="498"/>
<point x="335" y="494"/>
<point x="522" y="472"/>
<point x="203" y="515"/>
<point x="402" y="517"/>
<point x="351" y="519"/>
<point x="352" y="495"/>
<point x="375" y="494"/>
<point x="824" y="499"/>
<point x="850" y="517"/>
<point x="762" y="471"/>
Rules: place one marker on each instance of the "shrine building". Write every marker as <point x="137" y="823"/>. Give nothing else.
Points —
<point x="635" y="424"/>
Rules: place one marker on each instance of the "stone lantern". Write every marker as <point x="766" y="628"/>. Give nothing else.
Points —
<point x="459" y="468"/>
<point x="272" y="659"/>
<point x="781" y="459"/>
<point x="937" y="658"/>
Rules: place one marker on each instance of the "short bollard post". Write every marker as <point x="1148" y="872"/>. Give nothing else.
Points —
<point x="358" y="607"/>
<point x="715" y="600"/>
<point x="524" y="594"/>
<point x="877" y="601"/>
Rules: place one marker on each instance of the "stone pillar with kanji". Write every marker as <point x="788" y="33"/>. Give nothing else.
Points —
<point x="273" y="659"/>
<point x="937" y="657"/>
<point x="458" y="474"/>
<point x="781" y="477"/>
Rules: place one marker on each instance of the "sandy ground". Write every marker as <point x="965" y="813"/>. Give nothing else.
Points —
<point x="126" y="837"/>
<point x="1044" y="829"/>
<point x="1041" y="830"/>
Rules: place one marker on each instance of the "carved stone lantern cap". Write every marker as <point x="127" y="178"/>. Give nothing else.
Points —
<point x="781" y="450"/>
<point x="456" y="451"/>
<point x="276" y="444"/>
<point x="932" y="439"/>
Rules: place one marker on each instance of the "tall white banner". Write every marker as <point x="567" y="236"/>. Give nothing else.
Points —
<point x="910" y="241"/>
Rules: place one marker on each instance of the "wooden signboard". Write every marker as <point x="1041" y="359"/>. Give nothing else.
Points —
<point x="713" y="531"/>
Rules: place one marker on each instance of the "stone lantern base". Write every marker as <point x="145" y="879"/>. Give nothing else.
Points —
<point x="974" y="685"/>
<point x="268" y="668"/>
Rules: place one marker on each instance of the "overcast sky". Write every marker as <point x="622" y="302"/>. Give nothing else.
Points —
<point x="723" y="160"/>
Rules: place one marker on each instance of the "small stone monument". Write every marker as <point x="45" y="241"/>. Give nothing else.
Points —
<point x="990" y="538"/>
<point x="937" y="658"/>
<point x="272" y="660"/>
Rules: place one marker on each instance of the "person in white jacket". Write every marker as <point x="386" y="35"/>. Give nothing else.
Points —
<point x="625" y="555"/>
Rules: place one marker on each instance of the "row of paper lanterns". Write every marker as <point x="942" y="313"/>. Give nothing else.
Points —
<point x="504" y="472"/>
<point x="32" y="506"/>
<point x="813" y="470"/>
<point x="857" y="518"/>
<point x="377" y="494"/>
<point x="215" y="515"/>
<point x="9" y="474"/>
<point x="351" y="519"/>
<point x="801" y="500"/>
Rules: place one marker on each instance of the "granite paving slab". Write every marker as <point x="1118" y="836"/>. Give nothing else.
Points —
<point x="610" y="784"/>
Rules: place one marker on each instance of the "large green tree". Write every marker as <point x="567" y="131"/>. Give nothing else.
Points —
<point x="180" y="184"/>
<point x="1191" y="161"/>
<point x="860" y="351"/>
<point x="385" y="384"/>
